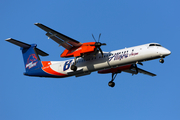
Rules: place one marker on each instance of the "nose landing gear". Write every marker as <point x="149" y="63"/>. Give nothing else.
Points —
<point x="111" y="83"/>
<point x="161" y="60"/>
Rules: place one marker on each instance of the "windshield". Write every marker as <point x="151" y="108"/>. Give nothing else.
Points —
<point x="154" y="45"/>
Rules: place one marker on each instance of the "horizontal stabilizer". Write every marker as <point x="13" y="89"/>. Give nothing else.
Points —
<point x="40" y="52"/>
<point x="25" y="45"/>
<point x="18" y="43"/>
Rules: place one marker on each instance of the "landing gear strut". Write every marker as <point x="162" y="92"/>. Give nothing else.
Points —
<point x="111" y="83"/>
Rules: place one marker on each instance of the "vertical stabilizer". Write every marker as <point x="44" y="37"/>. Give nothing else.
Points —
<point x="31" y="58"/>
<point x="30" y="55"/>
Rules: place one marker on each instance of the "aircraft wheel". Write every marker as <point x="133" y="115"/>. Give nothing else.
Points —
<point x="73" y="67"/>
<point x="161" y="60"/>
<point x="111" y="84"/>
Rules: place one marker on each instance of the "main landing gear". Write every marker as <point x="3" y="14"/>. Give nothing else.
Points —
<point x="111" y="83"/>
<point x="74" y="67"/>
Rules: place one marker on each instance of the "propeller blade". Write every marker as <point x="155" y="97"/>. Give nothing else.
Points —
<point x="103" y="43"/>
<point x="93" y="37"/>
<point x="101" y="51"/>
<point x="99" y="37"/>
<point x="96" y="51"/>
<point x="98" y="44"/>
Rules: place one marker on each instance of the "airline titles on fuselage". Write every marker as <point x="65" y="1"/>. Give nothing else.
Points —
<point x="111" y="56"/>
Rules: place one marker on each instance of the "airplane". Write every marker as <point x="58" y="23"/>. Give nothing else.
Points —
<point x="88" y="57"/>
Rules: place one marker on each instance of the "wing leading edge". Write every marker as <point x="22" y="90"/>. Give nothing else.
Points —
<point x="60" y="38"/>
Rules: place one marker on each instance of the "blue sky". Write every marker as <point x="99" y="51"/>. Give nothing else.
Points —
<point x="122" y="24"/>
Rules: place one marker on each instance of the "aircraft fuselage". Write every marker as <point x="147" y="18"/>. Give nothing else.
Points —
<point x="91" y="62"/>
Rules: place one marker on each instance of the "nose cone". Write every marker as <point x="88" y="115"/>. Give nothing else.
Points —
<point x="166" y="52"/>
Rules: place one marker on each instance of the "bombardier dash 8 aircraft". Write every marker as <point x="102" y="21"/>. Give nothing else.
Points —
<point x="88" y="57"/>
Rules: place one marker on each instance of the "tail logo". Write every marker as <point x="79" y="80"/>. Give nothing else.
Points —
<point x="31" y="61"/>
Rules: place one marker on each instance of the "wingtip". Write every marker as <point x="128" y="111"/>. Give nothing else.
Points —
<point x="37" y="23"/>
<point x="8" y="39"/>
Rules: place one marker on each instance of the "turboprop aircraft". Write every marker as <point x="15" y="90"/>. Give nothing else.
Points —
<point x="88" y="57"/>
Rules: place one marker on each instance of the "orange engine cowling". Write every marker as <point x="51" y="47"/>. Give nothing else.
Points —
<point x="115" y="70"/>
<point x="85" y="48"/>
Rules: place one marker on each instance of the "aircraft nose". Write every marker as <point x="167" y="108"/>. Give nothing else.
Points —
<point x="166" y="52"/>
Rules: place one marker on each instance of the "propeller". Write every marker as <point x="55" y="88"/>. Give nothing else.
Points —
<point x="98" y="44"/>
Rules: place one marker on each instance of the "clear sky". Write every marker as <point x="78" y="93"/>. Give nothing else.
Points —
<point x="122" y="23"/>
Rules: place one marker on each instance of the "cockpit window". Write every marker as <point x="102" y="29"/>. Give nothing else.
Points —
<point x="154" y="45"/>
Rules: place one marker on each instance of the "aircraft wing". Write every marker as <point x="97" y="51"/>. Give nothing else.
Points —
<point x="61" y="39"/>
<point x="133" y="71"/>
